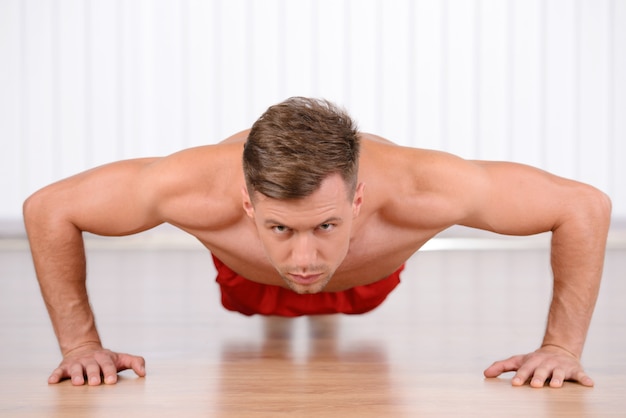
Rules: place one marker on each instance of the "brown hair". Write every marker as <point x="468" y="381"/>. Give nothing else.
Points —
<point x="296" y="144"/>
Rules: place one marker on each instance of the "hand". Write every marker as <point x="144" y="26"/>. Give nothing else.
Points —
<point x="96" y="364"/>
<point x="549" y="363"/>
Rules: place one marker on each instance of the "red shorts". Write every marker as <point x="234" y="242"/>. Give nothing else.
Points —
<point x="247" y="297"/>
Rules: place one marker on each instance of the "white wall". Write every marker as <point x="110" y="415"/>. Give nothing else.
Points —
<point x="84" y="82"/>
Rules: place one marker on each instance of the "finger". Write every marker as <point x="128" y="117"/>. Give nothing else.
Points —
<point x="109" y="371"/>
<point x="519" y="379"/>
<point x="137" y="363"/>
<point x="139" y="366"/>
<point x="503" y="366"/>
<point x="557" y="379"/>
<point x="92" y="369"/>
<point x="57" y="375"/>
<point x="524" y="374"/>
<point x="584" y="379"/>
<point x="108" y="368"/>
<point x="110" y="374"/>
<point x="77" y="374"/>
<point x="540" y="376"/>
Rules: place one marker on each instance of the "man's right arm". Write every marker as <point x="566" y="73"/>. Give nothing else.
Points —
<point x="115" y="199"/>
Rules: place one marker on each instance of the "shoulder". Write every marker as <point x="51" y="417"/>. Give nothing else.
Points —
<point x="417" y="187"/>
<point x="191" y="167"/>
<point x="197" y="186"/>
<point x="417" y="168"/>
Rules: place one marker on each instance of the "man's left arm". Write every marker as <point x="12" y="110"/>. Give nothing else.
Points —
<point x="520" y="200"/>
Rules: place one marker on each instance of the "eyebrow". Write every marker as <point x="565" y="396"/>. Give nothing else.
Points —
<point x="332" y="219"/>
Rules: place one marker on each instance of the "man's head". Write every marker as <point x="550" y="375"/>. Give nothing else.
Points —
<point x="301" y="166"/>
<point x="297" y="144"/>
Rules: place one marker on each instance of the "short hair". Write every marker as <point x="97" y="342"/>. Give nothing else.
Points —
<point x="298" y="143"/>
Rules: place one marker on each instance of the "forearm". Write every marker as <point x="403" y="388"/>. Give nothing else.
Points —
<point x="578" y="248"/>
<point x="59" y="258"/>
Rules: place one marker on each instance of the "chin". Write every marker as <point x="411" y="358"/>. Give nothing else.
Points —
<point x="308" y="289"/>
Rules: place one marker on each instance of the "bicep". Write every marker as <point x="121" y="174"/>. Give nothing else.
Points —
<point x="115" y="199"/>
<point x="516" y="199"/>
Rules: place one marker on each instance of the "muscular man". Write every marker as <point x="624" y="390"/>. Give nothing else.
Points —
<point x="305" y="215"/>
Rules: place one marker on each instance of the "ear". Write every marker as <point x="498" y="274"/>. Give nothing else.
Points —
<point x="247" y="202"/>
<point x="358" y="199"/>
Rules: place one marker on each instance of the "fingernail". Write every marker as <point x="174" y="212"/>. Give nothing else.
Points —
<point x="110" y="380"/>
<point x="517" y="380"/>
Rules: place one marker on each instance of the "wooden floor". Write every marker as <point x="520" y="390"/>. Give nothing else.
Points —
<point x="420" y="354"/>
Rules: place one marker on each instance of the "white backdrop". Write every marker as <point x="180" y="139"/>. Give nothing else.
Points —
<point x="84" y="82"/>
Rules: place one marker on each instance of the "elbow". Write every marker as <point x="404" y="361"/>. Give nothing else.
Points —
<point x="603" y="205"/>
<point x="595" y="206"/>
<point x="39" y="207"/>
<point x="32" y="208"/>
<point x="47" y="219"/>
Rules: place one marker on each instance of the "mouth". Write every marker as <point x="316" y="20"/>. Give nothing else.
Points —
<point x="305" y="279"/>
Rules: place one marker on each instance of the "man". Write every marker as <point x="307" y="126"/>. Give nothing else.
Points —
<point x="305" y="215"/>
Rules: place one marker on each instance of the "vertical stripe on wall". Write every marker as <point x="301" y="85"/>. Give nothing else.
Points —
<point x="86" y="82"/>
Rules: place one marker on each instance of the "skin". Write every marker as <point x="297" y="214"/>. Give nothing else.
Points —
<point x="306" y="240"/>
<point x="328" y="241"/>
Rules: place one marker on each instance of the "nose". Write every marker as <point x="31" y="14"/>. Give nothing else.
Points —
<point x="304" y="253"/>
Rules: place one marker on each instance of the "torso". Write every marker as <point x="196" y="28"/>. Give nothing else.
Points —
<point x="383" y="237"/>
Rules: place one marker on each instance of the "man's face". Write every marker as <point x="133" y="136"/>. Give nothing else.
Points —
<point x="306" y="239"/>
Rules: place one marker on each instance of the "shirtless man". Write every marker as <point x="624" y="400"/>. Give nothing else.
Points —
<point x="315" y="218"/>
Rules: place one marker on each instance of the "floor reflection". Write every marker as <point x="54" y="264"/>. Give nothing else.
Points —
<point x="305" y="371"/>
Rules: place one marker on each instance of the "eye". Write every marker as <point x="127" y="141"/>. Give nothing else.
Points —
<point x="280" y="229"/>
<point x="327" y="227"/>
